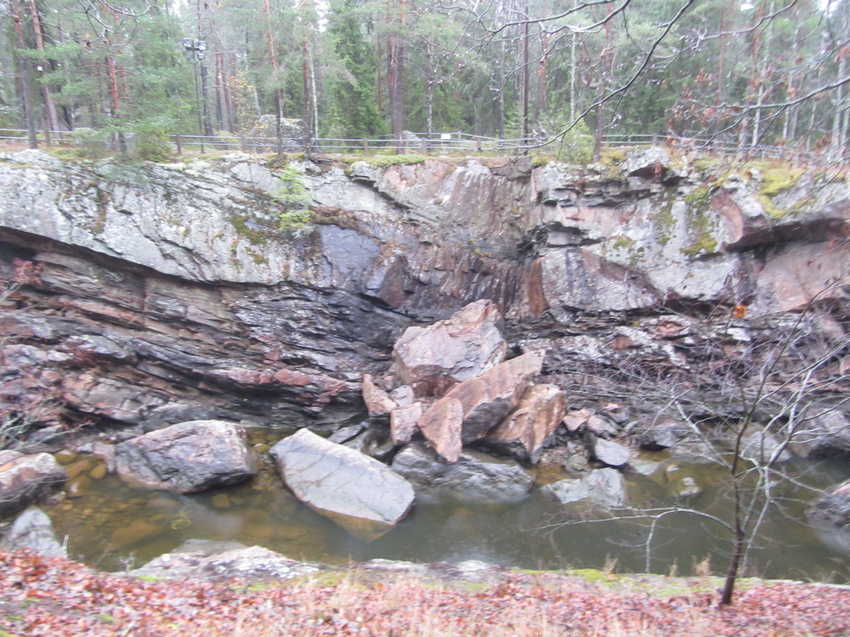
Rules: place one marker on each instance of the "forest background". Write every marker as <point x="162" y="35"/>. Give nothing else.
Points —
<point x="745" y="72"/>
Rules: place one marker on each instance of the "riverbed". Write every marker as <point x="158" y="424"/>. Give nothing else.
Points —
<point x="115" y="527"/>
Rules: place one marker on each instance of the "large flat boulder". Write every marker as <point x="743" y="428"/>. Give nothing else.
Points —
<point x="475" y="476"/>
<point x="431" y="359"/>
<point x="26" y="479"/>
<point x="362" y="495"/>
<point x="187" y="457"/>
<point x="524" y="431"/>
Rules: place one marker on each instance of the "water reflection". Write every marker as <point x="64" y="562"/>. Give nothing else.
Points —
<point x="115" y="527"/>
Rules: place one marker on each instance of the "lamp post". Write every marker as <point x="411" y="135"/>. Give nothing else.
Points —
<point x="196" y="50"/>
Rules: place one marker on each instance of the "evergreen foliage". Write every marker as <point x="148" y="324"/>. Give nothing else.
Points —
<point x="750" y="74"/>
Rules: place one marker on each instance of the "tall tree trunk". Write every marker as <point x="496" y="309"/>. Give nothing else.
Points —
<point x="112" y="75"/>
<point x="49" y="107"/>
<point x="526" y="76"/>
<point x="429" y="99"/>
<point x="606" y="65"/>
<point x="839" y="120"/>
<point x="542" y="105"/>
<point x="278" y="93"/>
<point x="573" y="73"/>
<point x="395" y="73"/>
<point x="314" y="95"/>
<point x="379" y="80"/>
<point x="24" y="68"/>
<point x="721" y="57"/>
<point x="501" y="90"/>
<point x="308" y="93"/>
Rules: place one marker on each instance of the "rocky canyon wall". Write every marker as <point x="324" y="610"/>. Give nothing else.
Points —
<point x="168" y="292"/>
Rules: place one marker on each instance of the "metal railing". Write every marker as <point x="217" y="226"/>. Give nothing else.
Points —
<point x="454" y="143"/>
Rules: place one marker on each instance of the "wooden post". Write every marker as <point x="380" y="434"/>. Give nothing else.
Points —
<point x="179" y="141"/>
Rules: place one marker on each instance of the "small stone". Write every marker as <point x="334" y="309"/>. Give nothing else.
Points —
<point x="403" y="396"/>
<point x="610" y="453"/>
<point x="98" y="471"/>
<point x="574" y="420"/>
<point x="378" y="402"/>
<point x="78" y="467"/>
<point x="221" y="501"/>
<point x="77" y="487"/>
<point x="403" y="422"/>
<point x="601" y="426"/>
<point x="341" y="436"/>
<point x="132" y="533"/>
<point x="687" y="487"/>
<point x="65" y="456"/>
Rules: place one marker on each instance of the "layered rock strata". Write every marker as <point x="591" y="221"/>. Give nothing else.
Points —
<point x="155" y="294"/>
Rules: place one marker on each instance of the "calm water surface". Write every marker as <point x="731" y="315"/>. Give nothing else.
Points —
<point x="115" y="527"/>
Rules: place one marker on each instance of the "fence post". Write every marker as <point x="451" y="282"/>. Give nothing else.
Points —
<point x="179" y="141"/>
<point x="243" y="144"/>
<point x="365" y="146"/>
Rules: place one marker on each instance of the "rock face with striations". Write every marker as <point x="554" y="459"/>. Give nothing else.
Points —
<point x="362" y="495"/>
<point x="161" y="293"/>
<point x="187" y="457"/>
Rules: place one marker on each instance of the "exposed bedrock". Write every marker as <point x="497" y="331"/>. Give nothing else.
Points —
<point x="165" y="293"/>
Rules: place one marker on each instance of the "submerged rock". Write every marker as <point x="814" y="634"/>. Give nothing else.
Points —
<point x="761" y="447"/>
<point x="833" y="509"/>
<point x="360" y="494"/>
<point x="825" y="436"/>
<point x="26" y="479"/>
<point x="604" y="486"/>
<point x="187" y="457"/>
<point x="475" y="476"/>
<point x="33" y="530"/>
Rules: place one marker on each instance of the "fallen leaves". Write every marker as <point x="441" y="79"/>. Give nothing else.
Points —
<point x="51" y="596"/>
